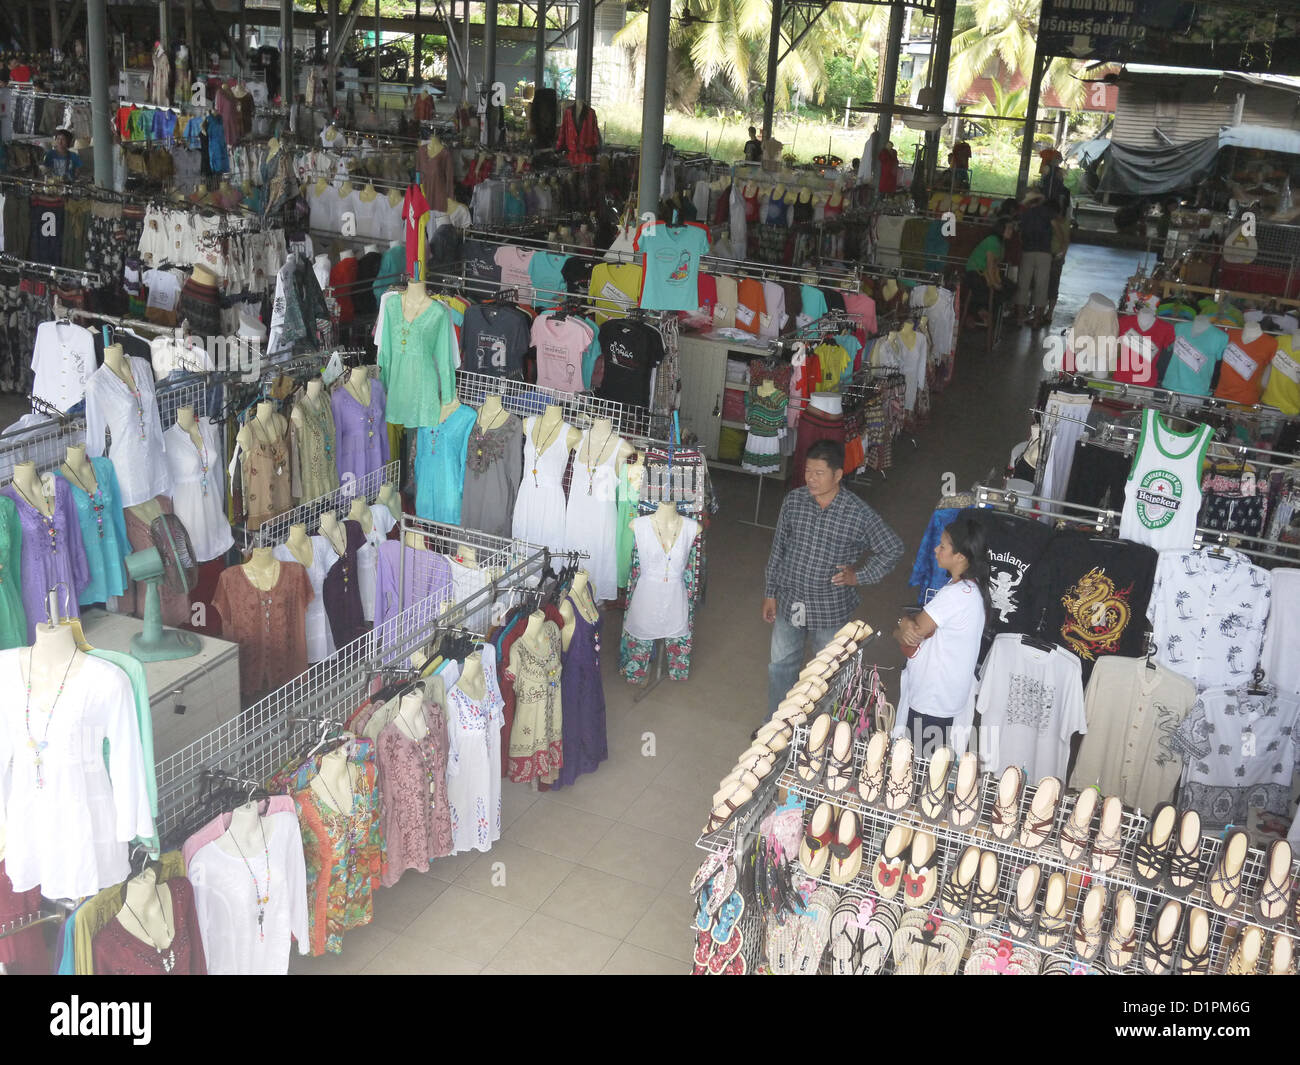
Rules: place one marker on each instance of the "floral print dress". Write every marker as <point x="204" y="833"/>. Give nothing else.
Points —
<point x="413" y="785"/>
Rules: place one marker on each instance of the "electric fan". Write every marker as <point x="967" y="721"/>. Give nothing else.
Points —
<point x="170" y="560"/>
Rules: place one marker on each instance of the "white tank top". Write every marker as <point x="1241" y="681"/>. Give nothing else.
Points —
<point x="1163" y="494"/>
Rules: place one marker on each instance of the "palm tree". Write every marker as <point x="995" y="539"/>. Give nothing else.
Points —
<point x="1006" y="29"/>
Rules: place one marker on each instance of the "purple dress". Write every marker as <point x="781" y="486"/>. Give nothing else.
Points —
<point x="424" y="574"/>
<point x="342" y="590"/>
<point x="361" y="433"/>
<point x="582" y="698"/>
<point x="53" y="554"/>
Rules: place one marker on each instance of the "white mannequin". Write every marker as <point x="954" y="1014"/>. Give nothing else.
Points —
<point x="189" y="422"/>
<point x="312" y="397"/>
<point x="346" y="253"/>
<point x="334" y="532"/>
<point x="415" y="298"/>
<point x="492" y="414"/>
<point x="33" y="488"/>
<point x="245" y="834"/>
<point x="300" y="545"/>
<point x="115" y="359"/>
<point x="471" y="681"/>
<point x="333" y="783"/>
<point x="147" y="911"/>
<point x="1146" y="318"/>
<point x="581" y="594"/>
<point x="1251" y="331"/>
<point x="358" y="385"/>
<point x="262" y="569"/>
<point x="370" y="248"/>
<point x="360" y="513"/>
<point x="829" y="402"/>
<point x="467" y="556"/>
<point x="388" y="497"/>
<point x="603" y="436"/>
<point x="534" y="636"/>
<point x="266" y="426"/>
<point x="547" y="428"/>
<point x="82" y="473"/>
<point x="667" y="524"/>
<point x="409" y="719"/>
<point x="54" y="652"/>
<point x="908" y="336"/>
<point x="1200" y="324"/>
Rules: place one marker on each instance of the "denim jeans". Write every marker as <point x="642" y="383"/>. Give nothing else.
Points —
<point x="788" y="656"/>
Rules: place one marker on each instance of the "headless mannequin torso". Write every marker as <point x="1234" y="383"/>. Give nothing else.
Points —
<point x="262" y="569"/>
<point x="334" y="783"/>
<point x="300" y="545"/>
<point x="147" y="914"/>
<point x="358" y="385"/>
<point x="547" y="428"/>
<point x="34" y="489"/>
<point x="79" y="469"/>
<point x="334" y="532"/>
<point x="492" y="415"/>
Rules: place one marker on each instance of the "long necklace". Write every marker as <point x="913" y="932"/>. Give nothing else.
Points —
<point x="538" y="451"/>
<point x="96" y="497"/>
<point x="262" y="892"/>
<point x="48" y="519"/>
<point x="168" y="959"/>
<point x="134" y="389"/>
<point x="594" y="453"/>
<point x="38" y="747"/>
<point x="350" y="817"/>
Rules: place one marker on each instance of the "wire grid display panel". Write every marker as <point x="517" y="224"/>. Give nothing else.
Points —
<point x="185" y="392"/>
<point x="581" y="409"/>
<point x="44" y="445"/>
<point x="495" y="555"/>
<point x="1013" y="859"/>
<point x="276" y="530"/>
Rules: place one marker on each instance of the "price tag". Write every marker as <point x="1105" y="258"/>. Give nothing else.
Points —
<point x="614" y="294"/>
<point x="1287" y="366"/>
<point x="1240" y="362"/>
<point x="1193" y="359"/>
<point x="745" y="315"/>
<point x="803" y="320"/>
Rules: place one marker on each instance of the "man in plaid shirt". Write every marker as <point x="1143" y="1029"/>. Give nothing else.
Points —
<point x="813" y="571"/>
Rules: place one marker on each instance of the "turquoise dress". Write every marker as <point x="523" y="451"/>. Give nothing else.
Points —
<point x="440" y="466"/>
<point x="13" y="616"/>
<point x="417" y="363"/>
<point x="103" y="532"/>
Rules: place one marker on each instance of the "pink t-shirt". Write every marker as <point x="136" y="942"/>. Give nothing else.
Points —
<point x="514" y="271"/>
<point x="560" y="344"/>
<point x="865" y="306"/>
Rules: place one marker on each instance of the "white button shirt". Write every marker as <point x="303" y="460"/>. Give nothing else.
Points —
<point x="1208" y="615"/>
<point x="137" y="450"/>
<point x="63" y="358"/>
<point x="1282" y="637"/>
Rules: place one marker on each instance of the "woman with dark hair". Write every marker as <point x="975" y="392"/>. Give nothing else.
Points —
<point x="942" y="641"/>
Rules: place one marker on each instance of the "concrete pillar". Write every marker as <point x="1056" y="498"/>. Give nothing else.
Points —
<point x="940" y="58"/>
<point x="773" y="55"/>
<point x="287" y="93"/>
<point x="539" y="61"/>
<point x="889" y="75"/>
<point x="1031" y="116"/>
<point x="652" y="106"/>
<point x="101" y="103"/>
<point x="586" y="46"/>
<point x="489" y="71"/>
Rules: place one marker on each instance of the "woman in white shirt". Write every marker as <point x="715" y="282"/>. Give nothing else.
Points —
<point x="942" y="641"/>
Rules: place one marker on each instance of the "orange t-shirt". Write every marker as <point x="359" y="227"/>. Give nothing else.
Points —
<point x="1243" y="365"/>
<point x="751" y="305"/>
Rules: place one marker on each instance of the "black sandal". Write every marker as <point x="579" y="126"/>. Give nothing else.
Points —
<point x="1149" y="856"/>
<point x="956" y="893"/>
<point x="1184" y="865"/>
<point x="1158" y="951"/>
<point x="1021" y="920"/>
<point x="984" y="900"/>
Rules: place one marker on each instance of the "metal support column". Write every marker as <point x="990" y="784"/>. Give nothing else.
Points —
<point x="190" y="43"/>
<point x="539" y="61"/>
<point x="940" y="58"/>
<point x="419" y="48"/>
<point x="773" y="60"/>
<point x="489" y="90"/>
<point x="331" y="68"/>
<point x="586" y="46"/>
<point x="652" y="106"/>
<point x="241" y="53"/>
<point x="378" y="34"/>
<point x="1031" y="120"/>
<point x="464" y="82"/>
<point x="31" y="25"/>
<point x="287" y="91"/>
<point x="889" y="75"/>
<point x="101" y="105"/>
<point x="54" y="23"/>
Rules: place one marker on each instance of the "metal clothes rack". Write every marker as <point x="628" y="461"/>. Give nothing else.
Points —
<point x="275" y="530"/>
<point x="1169" y="400"/>
<point x="45" y="270"/>
<point x="44" y="444"/>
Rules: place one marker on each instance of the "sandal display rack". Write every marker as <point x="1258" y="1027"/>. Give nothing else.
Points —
<point x="876" y="822"/>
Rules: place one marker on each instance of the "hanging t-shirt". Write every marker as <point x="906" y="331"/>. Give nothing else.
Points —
<point x="750" y="305"/>
<point x="576" y="273"/>
<point x="672" y="265"/>
<point x="1139" y="350"/>
<point x="480" y="262"/>
<point x="813" y="303"/>
<point x="631" y="350"/>
<point x="1283" y="388"/>
<point x="1191" y="367"/>
<point x="546" y="275"/>
<point x="724" y="310"/>
<point x="615" y="287"/>
<point x="1162" y="496"/>
<point x="515" y="263"/>
<point x="414" y="208"/>
<point x="1244" y="363"/>
<point x="494" y="339"/>
<point x="833" y="361"/>
<point x="164" y="290"/>
<point x="772" y="321"/>
<point x="560" y="344"/>
<point x="1015" y="545"/>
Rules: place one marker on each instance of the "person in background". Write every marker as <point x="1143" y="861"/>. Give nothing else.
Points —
<point x="959" y="161"/>
<point x="1052" y="181"/>
<point x="942" y="642"/>
<point x="810" y="586"/>
<point x="984" y="270"/>
<point x="1033" y="290"/>
<point x="888" y="169"/>
<point x="61" y="160"/>
<point x="753" y="147"/>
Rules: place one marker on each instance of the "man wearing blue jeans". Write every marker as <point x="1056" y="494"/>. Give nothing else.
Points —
<point x="813" y="571"/>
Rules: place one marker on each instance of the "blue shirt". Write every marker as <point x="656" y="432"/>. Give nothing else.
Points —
<point x="1191" y="366"/>
<point x="440" y="466"/>
<point x="545" y="274"/>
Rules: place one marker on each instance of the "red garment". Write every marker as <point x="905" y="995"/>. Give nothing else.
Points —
<point x="814" y="425"/>
<point x="414" y="207"/>
<point x="888" y="171"/>
<point x="580" y="139"/>
<point x="1133" y="366"/>
<point x="708" y="286"/>
<point x="124" y="122"/>
<point x="343" y="276"/>
<point x="751" y="204"/>
<point x="22" y="72"/>
<point x="23" y="953"/>
<point x="424" y="108"/>
<point x="118" y="953"/>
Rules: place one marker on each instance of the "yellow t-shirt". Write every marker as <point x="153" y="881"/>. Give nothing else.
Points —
<point x="614" y="288"/>
<point x="1283" y="388"/>
<point x="834" y="362"/>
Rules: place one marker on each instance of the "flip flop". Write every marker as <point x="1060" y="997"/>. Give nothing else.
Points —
<point x="871" y="781"/>
<point x="703" y="951"/>
<point x="1108" y="846"/>
<point x="736" y="779"/>
<point x="984" y="900"/>
<point x="1087" y="930"/>
<point x="722" y="813"/>
<point x="1053" y="922"/>
<point x="1282" y="960"/>
<point x="1223" y="886"/>
<point x="878" y="938"/>
<point x="921" y="880"/>
<point x="1184" y="857"/>
<point x="846" y="851"/>
<point x="810" y="762"/>
<point x="814" y="852"/>
<point x="887" y="872"/>
<point x="960" y="884"/>
<point x="1245" y="959"/>
<point x="1041" y="817"/>
<point x="1022" y="910"/>
<point x="1077" y="830"/>
<point x="1123" y="932"/>
<point x="1274" y="896"/>
<point x="845" y="936"/>
<point x="964" y="809"/>
<point x="814" y="931"/>
<point x="1006" y="807"/>
<point x="934" y="786"/>
<point x="1149" y="857"/>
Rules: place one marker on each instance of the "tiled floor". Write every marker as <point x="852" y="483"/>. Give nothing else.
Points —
<point x="592" y="879"/>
